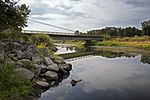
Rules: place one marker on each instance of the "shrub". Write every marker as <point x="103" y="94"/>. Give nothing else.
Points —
<point x="42" y="38"/>
<point x="11" y="85"/>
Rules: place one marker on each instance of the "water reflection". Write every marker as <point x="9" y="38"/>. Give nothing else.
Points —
<point x="105" y="79"/>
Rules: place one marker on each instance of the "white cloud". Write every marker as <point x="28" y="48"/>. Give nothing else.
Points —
<point x="88" y="14"/>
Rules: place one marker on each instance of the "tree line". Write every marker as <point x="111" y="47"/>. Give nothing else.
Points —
<point x="122" y="32"/>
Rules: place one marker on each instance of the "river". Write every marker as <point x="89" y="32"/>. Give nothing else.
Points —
<point x="104" y="76"/>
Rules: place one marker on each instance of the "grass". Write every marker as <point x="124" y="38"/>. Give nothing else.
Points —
<point x="12" y="87"/>
<point x="138" y="42"/>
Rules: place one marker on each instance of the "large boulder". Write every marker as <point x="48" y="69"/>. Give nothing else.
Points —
<point x="53" y="67"/>
<point x="50" y="75"/>
<point x="67" y="67"/>
<point x="47" y="61"/>
<point x="42" y="84"/>
<point x="59" y="60"/>
<point x="25" y="73"/>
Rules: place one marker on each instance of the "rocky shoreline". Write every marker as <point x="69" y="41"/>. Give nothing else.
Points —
<point x="44" y="72"/>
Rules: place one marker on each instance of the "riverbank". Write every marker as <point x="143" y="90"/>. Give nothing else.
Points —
<point x="136" y="42"/>
<point x="25" y="74"/>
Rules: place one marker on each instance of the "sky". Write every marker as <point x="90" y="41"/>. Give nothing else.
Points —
<point x="84" y="15"/>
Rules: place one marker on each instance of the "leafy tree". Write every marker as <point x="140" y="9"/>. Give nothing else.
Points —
<point x="13" y="16"/>
<point x="146" y="27"/>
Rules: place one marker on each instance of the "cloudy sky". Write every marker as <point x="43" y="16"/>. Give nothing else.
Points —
<point x="85" y="15"/>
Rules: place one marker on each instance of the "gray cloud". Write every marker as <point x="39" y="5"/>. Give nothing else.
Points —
<point x="88" y="14"/>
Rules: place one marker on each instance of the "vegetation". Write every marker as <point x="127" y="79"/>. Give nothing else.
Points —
<point x="12" y="17"/>
<point x="140" y="42"/>
<point x="29" y="65"/>
<point x="42" y="40"/>
<point x="121" y="32"/>
<point x="12" y="86"/>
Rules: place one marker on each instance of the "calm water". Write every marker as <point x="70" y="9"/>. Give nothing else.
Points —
<point x="108" y="76"/>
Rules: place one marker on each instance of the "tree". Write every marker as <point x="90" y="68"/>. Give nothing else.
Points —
<point x="13" y="16"/>
<point x="146" y="27"/>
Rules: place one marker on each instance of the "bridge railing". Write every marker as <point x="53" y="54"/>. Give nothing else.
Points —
<point x="46" y="32"/>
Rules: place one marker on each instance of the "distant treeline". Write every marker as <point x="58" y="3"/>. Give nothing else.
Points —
<point x="122" y="32"/>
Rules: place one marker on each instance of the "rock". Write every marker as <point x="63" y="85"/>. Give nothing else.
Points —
<point x="51" y="56"/>
<point x="37" y="70"/>
<point x="25" y="73"/>
<point x="11" y="55"/>
<point x="74" y="82"/>
<point x="28" y="55"/>
<point x="50" y="75"/>
<point x="16" y="45"/>
<point x="24" y="60"/>
<point x="43" y="68"/>
<point x="20" y="55"/>
<point x="53" y="67"/>
<point x="19" y="64"/>
<point x="47" y="61"/>
<point x="36" y="60"/>
<point x="59" y="60"/>
<point x="54" y="49"/>
<point x="66" y="66"/>
<point x="15" y="59"/>
<point x="1" y="58"/>
<point x="2" y="48"/>
<point x="42" y="84"/>
<point x="32" y="49"/>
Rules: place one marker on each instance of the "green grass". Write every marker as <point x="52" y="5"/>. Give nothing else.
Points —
<point x="11" y="85"/>
<point x="138" y="42"/>
<point x="29" y="65"/>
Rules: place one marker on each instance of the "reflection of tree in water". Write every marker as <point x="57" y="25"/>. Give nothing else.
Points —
<point x="145" y="59"/>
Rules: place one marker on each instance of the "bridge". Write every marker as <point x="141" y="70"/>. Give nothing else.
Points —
<point x="65" y="36"/>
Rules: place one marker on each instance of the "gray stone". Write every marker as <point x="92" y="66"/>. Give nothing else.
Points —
<point x="19" y="64"/>
<point x="16" y="45"/>
<point x="24" y="60"/>
<point x="15" y="59"/>
<point x="50" y="75"/>
<point x="1" y="58"/>
<point x="66" y="66"/>
<point x="32" y="49"/>
<point x="53" y="67"/>
<point x="25" y="73"/>
<point x="11" y="55"/>
<point x="51" y="56"/>
<point x="43" y="68"/>
<point x="20" y="55"/>
<point x="42" y="84"/>
<point x="36" y="60"/>
<point x="2" y="50"/>
<point x="54" y="49"/>
<point x="37" y="70"/>
<point x="28" y="55"/>
<point x="47" y="61"/>
<point x="59" y="60"/>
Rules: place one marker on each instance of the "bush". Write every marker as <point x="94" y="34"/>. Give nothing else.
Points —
<point x="11" y="85"/>
<point x="42" y="38"/>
